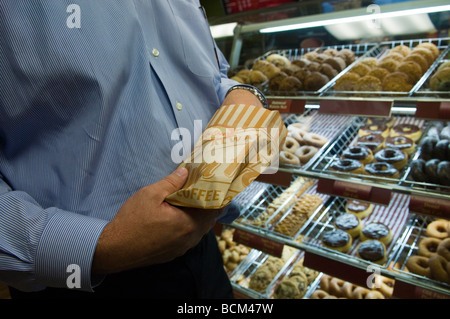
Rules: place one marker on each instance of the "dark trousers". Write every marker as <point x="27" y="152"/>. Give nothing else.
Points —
<point x="199" y="274"/>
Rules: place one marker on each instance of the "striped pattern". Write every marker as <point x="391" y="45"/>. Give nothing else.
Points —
<point x="86" y="117"/>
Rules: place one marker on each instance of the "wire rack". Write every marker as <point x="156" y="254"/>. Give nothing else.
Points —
<point x="348" y="139"/>
<point x="409" y="246"/>
<point x="394" y="216"/>
<point x="381" y="51"/>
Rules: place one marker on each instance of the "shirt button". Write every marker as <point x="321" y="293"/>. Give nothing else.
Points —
<point x="178" y="106"/>
<point x="155" y="52"/>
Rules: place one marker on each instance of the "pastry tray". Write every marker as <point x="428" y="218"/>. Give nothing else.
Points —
<point x="329" y="126"/>
<point x="409" y="246"/>
<point x="360" y="50"/>
<point x="349" y="138"/>
<point x="379" y="52"/>
<point x="395" y="216"/>
<point x="258" y="196"/>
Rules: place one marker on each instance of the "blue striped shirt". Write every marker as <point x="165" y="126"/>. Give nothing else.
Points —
<point x="89" y="97"/>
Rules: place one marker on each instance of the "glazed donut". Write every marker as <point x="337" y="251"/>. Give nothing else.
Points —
<point x="373" y="141"/>
<point x="385" y="285"/>
<point x="444" y="249"/>
<point x="428" y="246"/>
<point x="419" y="265"/>
<point x="289" y="158"/>
<point x="382" y="170"/>
<point x="348" y="166"/>
<point x="305" y="153"/>
<point x="337" y="240"/>
<point x="379" y="129"/>
<point x="348" y="289"/>
<point x="373" y="294"/>
<point x="290" y="145"/>
<point x="349" y="223"/>
<point x="402" y="143"/>
<point x="360" y="209"/>
<point x="438" y="269"/>
<point x="409" y="130"/>
<point x="392" y="156"/>
<point x="314" y="139"/>
<point x="376" y="231"/>
<point x="360" y="293"/>
<point x="360" y="153"/>
<point x="298" y="126"/>
<point x="372" y="250"/>
<point x="298" y="134"/>
<point x="437" y="229"/>
<point x="336" y="287"/>
<point x="325" y="282"/>
<point x="319" y="294"/>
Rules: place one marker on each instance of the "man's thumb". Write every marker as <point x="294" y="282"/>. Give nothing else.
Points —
<point x="173" y="182"/>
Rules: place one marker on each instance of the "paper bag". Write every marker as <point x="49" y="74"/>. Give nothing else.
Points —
<point x="239" y="143"/>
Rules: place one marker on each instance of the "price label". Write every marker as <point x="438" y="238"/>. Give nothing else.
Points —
<point x="433" y="110"/>
<point x="287" y="105"/>
<point x="429" y="206"/>
<point x="356" y="107"/>
<point x="278" y="178"/>
<point x="263" y="244"/>
<point x="354" y="191"/>
<point x="404" y="290"/>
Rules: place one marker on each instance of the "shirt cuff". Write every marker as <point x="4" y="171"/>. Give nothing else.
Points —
<point x="65" y="251"/>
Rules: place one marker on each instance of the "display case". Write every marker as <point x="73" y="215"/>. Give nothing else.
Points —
<point x="271" y="215"/>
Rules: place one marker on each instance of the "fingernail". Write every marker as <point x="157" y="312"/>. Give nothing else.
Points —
<point x="181" y="171"/>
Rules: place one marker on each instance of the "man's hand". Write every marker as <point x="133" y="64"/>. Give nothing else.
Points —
<point x="146" y="230"/>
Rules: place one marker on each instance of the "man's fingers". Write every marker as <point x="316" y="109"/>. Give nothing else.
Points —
<point x="171" y="183"/>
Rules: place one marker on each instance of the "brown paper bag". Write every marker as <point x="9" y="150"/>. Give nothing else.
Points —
<point x="239" y="143"/>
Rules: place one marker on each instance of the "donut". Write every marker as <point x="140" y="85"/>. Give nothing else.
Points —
<point x="418" y="170"/>
<point x="381" y="169"/>
<point x="389" y="122"/>
<point x="428" y="246"/>
<point x="385" y="285"/>
<point x="373" y="251"/>
<point x="325" y="282"/>
<point x="376" y="231"/>
<point x="360" y="293"/>
<point x="290" y="145"/>
<point x="298" y="134"/>
<point x="380" y="129"/>
<point x="347" y="165"/>
<point x="409" y="130"/>
<point x="373" y="294"/>
<point x="349" y="223"/>
<point x="338" y="240"/>
<point x="419" y="265"/>
<point x="440" y="150"/>
<point x="438" y="269"/>
<point x="444" y="249"/>
<point x="437" y="229"/>
<point x="427" y="146"/>
<point x="289" y="158"/>
<point x="314" y="139"/>
<point x="402" y="143"/>
<point x="359" y="209"/>
<point x="305" y="153"/>
<point x="319" y="294"/>
<point x="392" y="156"/>
<point x="372" y="141"/>
<point x="431" y="170"/>
<point x="360" y="153"/>
<point x="298" y="126"/>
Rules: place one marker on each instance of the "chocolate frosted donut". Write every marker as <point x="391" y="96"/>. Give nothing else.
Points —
<point x="418" y="170"/>
<point x="373" y="141"/>
<point x="347" y="165"/>
<point x="337" y="239"/>
<point x="392" y="156"/>
<point x="402" y="143"/>
<point x="372" y="250"/>
<point x="380" y="129"/>
<point x="381" y="169"/>
<point x="348" y="223"/>
<point x="360" y="153"/>
<point x="409" y="130"/>
<point x="360" y="209"/>
<point x="377" y="231"/>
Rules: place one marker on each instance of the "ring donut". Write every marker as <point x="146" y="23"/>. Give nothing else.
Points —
<point x="290" y="145"/>
<point x="289" y="158"/>
<point x="438" y="229"/>
<point x="319" y="294"/>
<point x="444" y="249"/>
<point x="298" y="134"/>
<point x="419" y="265"/>
<point x="298" y="126"/>
<point x="314" y="139"/>
<point x="336" y="287"/>
<point x="360" y="293"/>
<point x="373" y="294"/>
<point x="438" y="269"/>
<point x="385" y="285"/>
<point x="325" y="282"/>
<point x="428" y="246"/>
<point x="305" y="153"/>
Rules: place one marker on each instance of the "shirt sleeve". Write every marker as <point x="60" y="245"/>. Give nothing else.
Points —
<point x="44" y="247"/>
<point x="226" y="83"/>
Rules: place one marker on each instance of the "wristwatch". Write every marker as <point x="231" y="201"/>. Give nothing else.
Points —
<point x="253" y="90"/>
